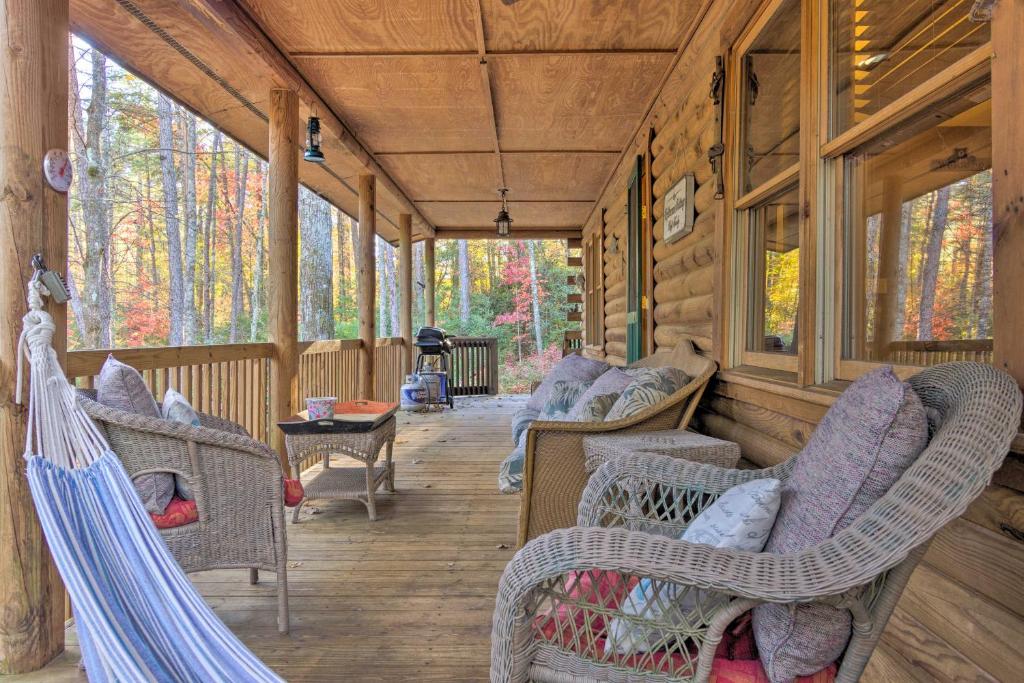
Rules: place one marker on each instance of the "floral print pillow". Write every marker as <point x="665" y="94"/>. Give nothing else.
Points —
<point x="649" y="387"/>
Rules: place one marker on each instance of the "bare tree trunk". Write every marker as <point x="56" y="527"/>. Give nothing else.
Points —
<point x="930" y="268"/>
<point x="464" y="283"/>
<point x="396" y="325"/>
<point x="535" y="297"/>
<point x="418" y="285"/>
<point x="169" y="178"/>
<point x="191" y="230"/>
<point x="902" y="270"/>
<point x="316" y="319"/>
<point x="982" y="295"/>
<point x="97" y="304"/>
<point x="209" y="240"/>
<point x="241" y="178"/>
<point x="382" y="293"/>
<point x="340" y="227"/>
<point x="256" y="308"/>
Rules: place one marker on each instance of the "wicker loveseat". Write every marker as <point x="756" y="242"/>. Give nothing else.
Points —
<point x="236" y="482"/>
<point x="634" y="507"/>
<point x="554" y="474"/>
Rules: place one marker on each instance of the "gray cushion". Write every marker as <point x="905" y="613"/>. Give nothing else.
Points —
<point x="870" y="435"/>
<point x="121" y="386"/>
<point x="574" y="368"/>
<point x="521" y="421"/>
<point x="650" y="386"/>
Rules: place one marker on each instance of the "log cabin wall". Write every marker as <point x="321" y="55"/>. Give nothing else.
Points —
<point x="962" y="614"/>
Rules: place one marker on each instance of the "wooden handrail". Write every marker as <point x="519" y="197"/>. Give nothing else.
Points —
<point x="86" y="363"/>
<point x="941" y="345"/>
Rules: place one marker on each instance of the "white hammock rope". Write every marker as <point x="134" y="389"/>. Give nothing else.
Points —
<point x="58" y="429"/>
<point x="138" y="616"/>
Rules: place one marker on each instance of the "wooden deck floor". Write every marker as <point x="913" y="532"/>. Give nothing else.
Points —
<point x="406" y="598"/>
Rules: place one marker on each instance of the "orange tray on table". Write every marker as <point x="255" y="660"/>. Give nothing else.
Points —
<point x="349" y="416"/>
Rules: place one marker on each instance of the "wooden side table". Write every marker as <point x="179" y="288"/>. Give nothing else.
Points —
<point x="345" y="483"/>
<point x="674" y="442"/>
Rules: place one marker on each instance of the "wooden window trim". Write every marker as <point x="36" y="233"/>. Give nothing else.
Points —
<point x="737" y="209"/>
<point x="969" y="70"/>
<point x="974" y="66"/>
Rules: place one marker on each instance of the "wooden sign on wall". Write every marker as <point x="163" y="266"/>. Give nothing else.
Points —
<point x="679" y="209"/>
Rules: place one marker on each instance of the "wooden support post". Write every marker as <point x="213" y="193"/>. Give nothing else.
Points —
<point x="405" y="282"/>
<point x="1008" y="188"/>
<point x="367" y="283"/>
<point x="283" y="261"/>
<point x="33" y="218"/>
<point x="428" y="290"/>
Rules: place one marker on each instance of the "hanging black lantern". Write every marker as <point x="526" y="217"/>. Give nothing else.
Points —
<point x="503" y="221"/>
<point x="313" y="152"/>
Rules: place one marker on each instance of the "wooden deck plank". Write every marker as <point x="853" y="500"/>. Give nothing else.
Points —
<point x="408" y="597"/>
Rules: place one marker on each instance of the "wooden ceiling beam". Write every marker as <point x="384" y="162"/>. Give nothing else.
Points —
<point x="330" y="54"/>
<point x="227" y="13"/>
<point x="517" y="234"/>
<point x="504" y="152"/>
<point x="485" y="75"/>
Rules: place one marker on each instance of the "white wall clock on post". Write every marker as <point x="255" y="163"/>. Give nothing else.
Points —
<point x="679" y="209"/>
<point x="57" y="170"/>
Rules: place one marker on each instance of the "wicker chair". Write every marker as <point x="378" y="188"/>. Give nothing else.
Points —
<point x="554" y="473"/>
<point x="632" y="504"/>
<point x="236" y="481"/>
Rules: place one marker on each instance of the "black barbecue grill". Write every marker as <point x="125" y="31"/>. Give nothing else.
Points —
<point x="435" y="342"/>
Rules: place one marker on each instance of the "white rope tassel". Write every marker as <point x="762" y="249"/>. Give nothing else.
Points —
<point x="58" y="429"/>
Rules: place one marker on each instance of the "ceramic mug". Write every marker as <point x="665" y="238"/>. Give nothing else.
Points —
<point x="320" y="408"/>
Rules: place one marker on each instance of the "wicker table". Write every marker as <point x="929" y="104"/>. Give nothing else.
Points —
<point x="674" y="442"/>
<point x="347" y="483"/>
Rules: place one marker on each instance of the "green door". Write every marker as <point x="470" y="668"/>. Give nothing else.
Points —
<point x="634" y="262"/>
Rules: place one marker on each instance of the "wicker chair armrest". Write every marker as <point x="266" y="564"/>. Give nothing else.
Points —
<point x="222" y="424"/>
<point x="201" y="435"/>
<point x="659" y="493"/>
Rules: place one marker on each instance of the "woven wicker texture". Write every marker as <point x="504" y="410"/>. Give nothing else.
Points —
<point x="633" y="502"/>
<point x="674" y="442"/>
<point x="555" y="474"/>
<point x="351" y="483"/>
<point x="236" y="482"/>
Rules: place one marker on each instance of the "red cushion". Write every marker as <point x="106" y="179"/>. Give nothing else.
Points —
<point x="293" y="492"/>
<point x="735" y="660"/>
<point x="177" y="513"/>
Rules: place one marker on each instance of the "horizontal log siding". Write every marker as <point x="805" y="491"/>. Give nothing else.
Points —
<point x="962" y="615"/>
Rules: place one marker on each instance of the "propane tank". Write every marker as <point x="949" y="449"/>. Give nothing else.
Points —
<point x="413" y="393"/>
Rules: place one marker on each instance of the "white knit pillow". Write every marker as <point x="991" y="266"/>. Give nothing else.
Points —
<point x="741" y="519"/>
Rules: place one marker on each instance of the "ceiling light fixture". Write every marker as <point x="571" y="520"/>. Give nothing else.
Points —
<point x="313" y="152"/>
<point x="503" y="221"/>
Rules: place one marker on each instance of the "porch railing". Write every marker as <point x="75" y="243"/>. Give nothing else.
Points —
<point x="232" y="380"/>
<point x="474" y="370"/>
<point x="934" y="352"/>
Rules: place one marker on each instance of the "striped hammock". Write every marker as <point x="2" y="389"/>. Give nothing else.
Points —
<point x="138" y="616"/>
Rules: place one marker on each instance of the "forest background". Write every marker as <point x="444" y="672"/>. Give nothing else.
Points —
<point x="168" y="230"/>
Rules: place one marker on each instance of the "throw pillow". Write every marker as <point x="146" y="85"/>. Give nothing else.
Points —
<point x="121" y="386"/>
<point x="573" y="367"/>
<point x="870" y="435"/>
<point x="649" y="387"/>
<point x="178" y="513"/>
<point x="176" y="408"/>
<point x="591" y="404"/>
<point x="563" y="396"/>
<point x="740" y="519"/>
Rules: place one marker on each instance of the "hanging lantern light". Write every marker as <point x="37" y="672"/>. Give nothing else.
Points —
<point x="313" y="152"/>
<point x="503" y="221"/>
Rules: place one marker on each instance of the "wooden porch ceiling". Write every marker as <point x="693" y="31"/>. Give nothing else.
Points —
<point x="449" y="100"/>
